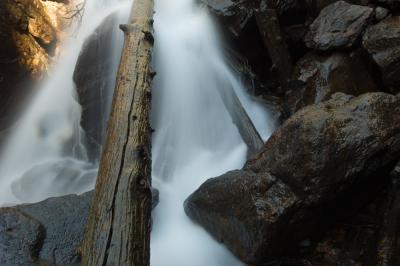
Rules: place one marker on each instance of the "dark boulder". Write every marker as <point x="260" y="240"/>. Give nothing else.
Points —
<point x="382" y="41"/>
<point x="324" y="75"/>
<point x="339" y="25"/>
<point x="94" y="76"/>
<point x="305" y="177"/>
<point x="381" y="13"/>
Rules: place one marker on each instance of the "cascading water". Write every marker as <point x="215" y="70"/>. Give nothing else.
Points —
<point x="45" y="153"/>
<point x="194" y="135"/>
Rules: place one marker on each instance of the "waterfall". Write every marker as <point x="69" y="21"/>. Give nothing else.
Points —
<point x="45" y="154"/>
<point x="194" y="136"/>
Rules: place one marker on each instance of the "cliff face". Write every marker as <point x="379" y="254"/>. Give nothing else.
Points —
<point x="30" y="32"/>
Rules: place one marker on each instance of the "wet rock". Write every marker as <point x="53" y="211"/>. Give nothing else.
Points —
<point x="339" y="25"/>
<point x="382" y="41"/>
<point x="324" y="75"/>
<point x="304" y="178"/>
<point x="94" y="76"/>
<point x="21" y="238"/>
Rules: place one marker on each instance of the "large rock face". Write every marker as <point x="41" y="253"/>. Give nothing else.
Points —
<point x="382" y="41"/>
<point x="324" y="75"/>
<point x="304" y="177"/>
<point x="339" y="25"/>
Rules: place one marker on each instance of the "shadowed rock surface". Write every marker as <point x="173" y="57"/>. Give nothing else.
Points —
<point x="304" y="178"/>
<point x="324" y="75"/>
<point x="393" y="5"/>
<point x="382" y="41"/>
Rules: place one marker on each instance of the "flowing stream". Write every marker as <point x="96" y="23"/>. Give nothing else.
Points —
<point x="194" y="136"/>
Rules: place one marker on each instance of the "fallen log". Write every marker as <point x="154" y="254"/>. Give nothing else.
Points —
<point x="118" y="227"/>
<point x="242" y="121"/>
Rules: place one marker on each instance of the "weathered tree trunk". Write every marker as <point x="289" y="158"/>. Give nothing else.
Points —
<point x="241" y="119"/>
<point x="270" y="30"/>
<point x="118" y="227"/>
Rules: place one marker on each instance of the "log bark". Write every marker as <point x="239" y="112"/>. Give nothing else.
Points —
<point x="118" y="227"/>
<point x="270" y="30"/>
